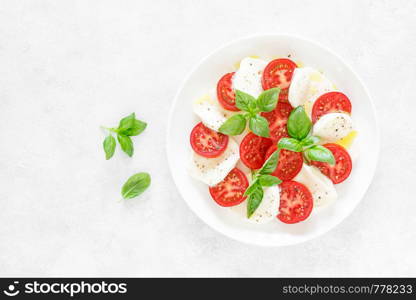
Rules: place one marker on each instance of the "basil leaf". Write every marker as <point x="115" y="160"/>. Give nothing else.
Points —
<point x="299" y="125"/>
<point x="244" y="101"/>
<point x="234" y="125"/>
<point x="268" y="99"/>
<point x="319" y="153"/>
<point x="137" y="128"/>
<point x="310" y="141"/>
<point x="269" y="180"/>
<point x="127" y="122"/>
<point x="271" y="163"/>
<point x="126" y="144"/>
<point x="135" y="185"/>
<point x="251" y="188"/>
<point x="254" y="200"/>
<point x="259" y="126"/>
<point x="290" y="144"/>
<point x="109" y="146"/>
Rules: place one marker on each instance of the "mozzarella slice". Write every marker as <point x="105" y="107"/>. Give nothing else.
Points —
<point x="213" y="170"/>
<point x="269" y="206"/>
<point x="268" y="209"/>
<point x="209" y="111"/>
<point x="333" y="126"/>
<point x="320" y="186"/>
<point x="306" y="86"/>
<point x="248" y="76"/>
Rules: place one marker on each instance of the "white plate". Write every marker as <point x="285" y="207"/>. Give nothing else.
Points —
<point x="205" y="76"/>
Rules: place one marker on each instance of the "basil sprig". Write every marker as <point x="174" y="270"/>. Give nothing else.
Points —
<point x="128" y="126"/>
<point x="299" y="128"/>
<point x="252" y="107"/>
<point x="261" y="178"/>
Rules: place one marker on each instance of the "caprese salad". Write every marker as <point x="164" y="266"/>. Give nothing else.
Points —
<point x="272" y="141"/>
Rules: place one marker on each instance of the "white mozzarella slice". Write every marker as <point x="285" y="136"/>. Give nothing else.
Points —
<point x="269" y="206"/>
<point x="354" y="151"/>
<point x="320" y="186"/>
<point x="333" y="126"/>
<point x="306" y="86"/>
<point x="210" y="113"/>
<point x="268" y="209"/>
<point x="213" y="170"/>
<point x="248" y="76"/>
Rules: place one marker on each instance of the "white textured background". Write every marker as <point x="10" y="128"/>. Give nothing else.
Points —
<point x="67" y="67"/>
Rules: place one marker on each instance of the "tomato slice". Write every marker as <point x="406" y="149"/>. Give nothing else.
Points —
<point x="230" y="191"/>
<point x="295" y="202"/>
<point x="289" y="164"/>
<point x="330" y="102"/>
<point x="207" y="142"/>
<point x="277" y="119"/>
<point x="278" y="73"/>
<point x="343" y="164"/>
<point x="253" y="149"/>
<point x="284" y="96"/>
<point x="225" y="92"/>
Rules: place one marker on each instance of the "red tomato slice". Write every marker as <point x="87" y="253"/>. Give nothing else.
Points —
<point x="207" y="142"/>
<point x="343" y="164"/>
<point x="278" y="120"/>
<point x="330" y="102"/>
<point x="230" y="191"/>
<point x="278" y="73"/>
<point x="289" y="164"/>
<point x="253" y="149"/>
<point x="295" y="202"/>
<point x="284" y="96"/>
<point x="225" y="92"/>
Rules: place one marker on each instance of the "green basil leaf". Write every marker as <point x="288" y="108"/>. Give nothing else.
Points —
<point x="271" y="163"/>
<point x="135" y="185"/>
<point x="268" y="99"/>
<point x="299" y="125"/>
<point x="109" y="146"/>
<point x="259" y="126"/>
<point x="126" y="144"/>
<point x="251" y="188"/>
<point x="254" y="200"/>
<point x="253" y="108"/>
<point x="290" y="144"/>
<point x="127" y="122"/>
<point x="137" y="128"/>
<point x="269" y="180"/>
<point x="244" y="101"/>
<point x="319" y="153"/>
<point x="234" y="125"/>
<point x="310" y="141"/>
